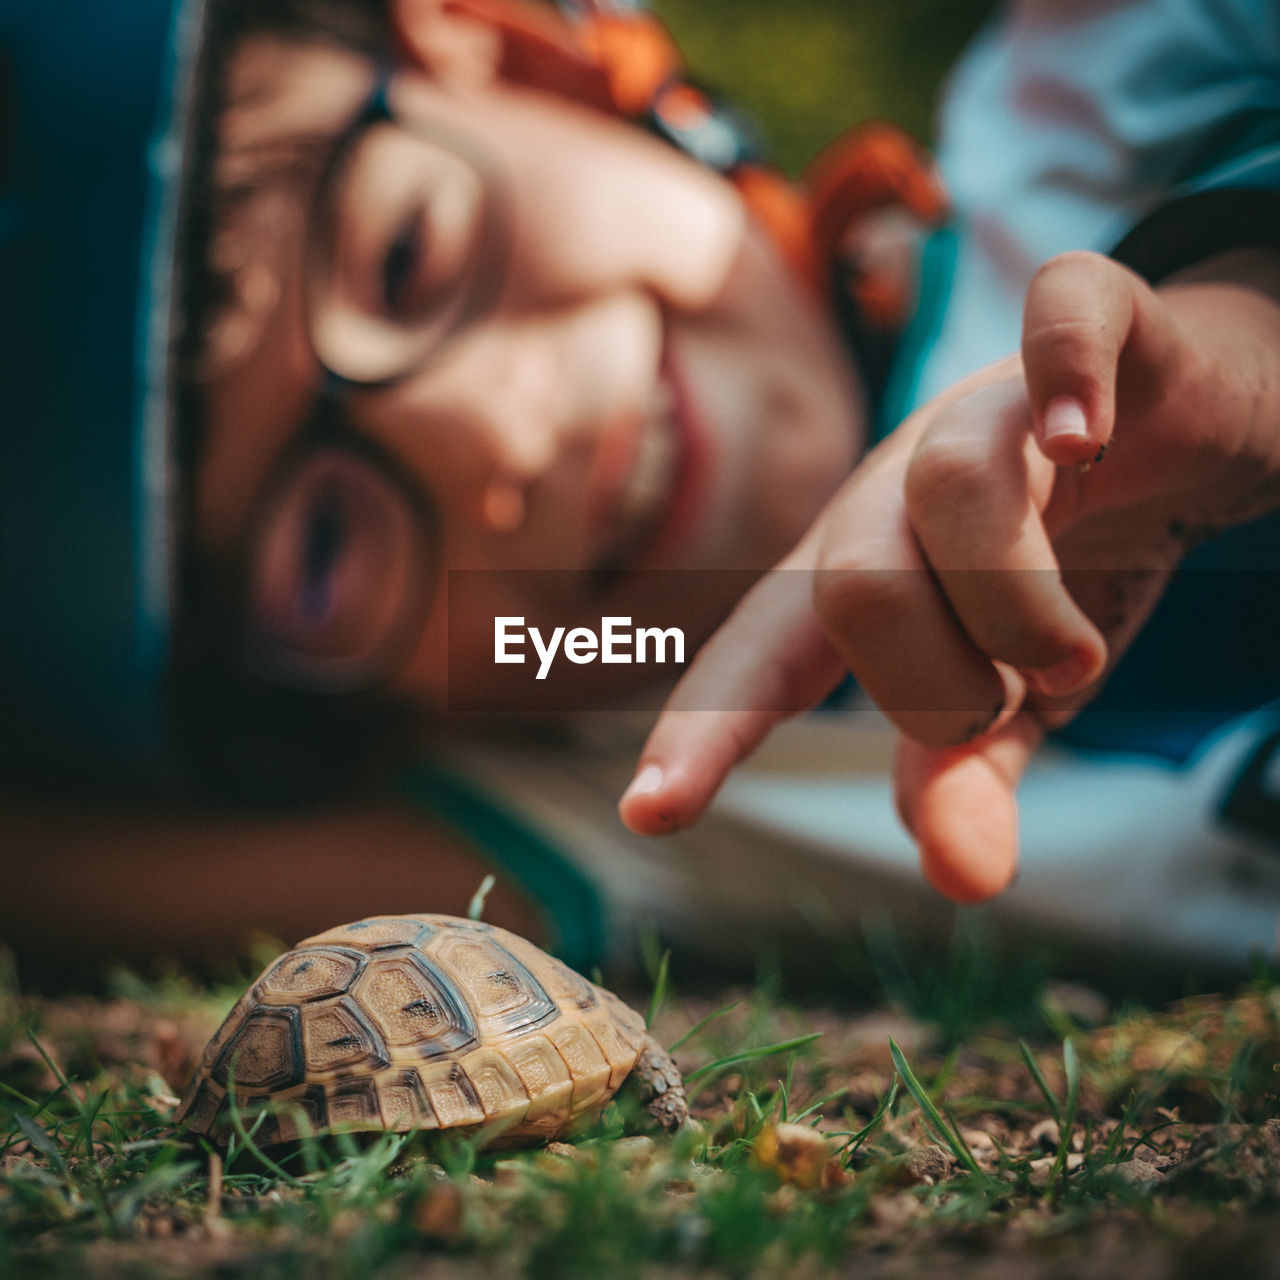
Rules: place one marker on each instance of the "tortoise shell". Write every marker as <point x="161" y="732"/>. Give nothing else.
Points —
<point x="417" y="1022"/>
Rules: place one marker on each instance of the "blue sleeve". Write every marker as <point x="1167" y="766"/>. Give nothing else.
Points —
<point x="1235" y="205"/>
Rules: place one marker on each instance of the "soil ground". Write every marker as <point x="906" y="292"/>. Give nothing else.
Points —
<point x="1068" y="1138"/>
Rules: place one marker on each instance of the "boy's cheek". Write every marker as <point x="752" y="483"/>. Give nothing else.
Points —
<point x="604" y="204"/>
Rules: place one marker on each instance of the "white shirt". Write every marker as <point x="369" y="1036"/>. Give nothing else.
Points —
<point x="1065" y="122"/>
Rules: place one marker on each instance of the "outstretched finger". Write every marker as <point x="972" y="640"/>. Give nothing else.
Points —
<point x="1082" y="315"/>
<point x="768" y="662"/>
<point x="960" y="806"/>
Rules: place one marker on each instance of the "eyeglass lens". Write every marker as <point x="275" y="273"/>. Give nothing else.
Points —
<point x="404" y="246"/>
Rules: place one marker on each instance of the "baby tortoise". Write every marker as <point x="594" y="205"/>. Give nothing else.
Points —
<point x="426" y="1022"/>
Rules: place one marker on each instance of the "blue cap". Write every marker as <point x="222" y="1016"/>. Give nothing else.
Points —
<point x="92" y="124"/>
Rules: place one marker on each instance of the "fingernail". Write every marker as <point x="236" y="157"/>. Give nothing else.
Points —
<point x="1064" y="419"/>
<point x="1061" y="678"/>
<point x="645" y="783"/>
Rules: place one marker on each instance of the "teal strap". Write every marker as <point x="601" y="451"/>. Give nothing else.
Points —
<point x="937" y="270"/>
<point x="573" y="908"/>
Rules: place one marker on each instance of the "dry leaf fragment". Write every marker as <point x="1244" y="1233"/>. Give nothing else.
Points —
<point x="800" y="1155"/>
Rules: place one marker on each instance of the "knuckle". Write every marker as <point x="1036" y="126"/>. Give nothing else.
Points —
<point x="1029" y="651"/>
<point x="1026" y="641"/>
<point x="846" y="597"/>
<point x="945" y="474"/>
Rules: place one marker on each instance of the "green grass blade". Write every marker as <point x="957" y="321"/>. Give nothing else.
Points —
<point x="1071" y="1069"/>
<point x="660" y="984"/>
<point x="40" y="1139"/>
<point x="64" y="1085"/>
<point x="21" y="1097"/>
<point x="969" y="1160"/>
<point x="475" y="908"/>
<point x="932" y="1116"/>
<point x="748" y="1055"/>
<point x="1135" y="1107"/>
<point x="699" y="1026"/>
<point x="246" y="1137"/>
<point x="818" y="1103"/>
<point x="1041" y="1083"/>
<point x="886" y="1105"/>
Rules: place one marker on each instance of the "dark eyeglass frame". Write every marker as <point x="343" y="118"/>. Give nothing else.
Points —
<point x="495" y="235"/>
<point x="327" y="426"/>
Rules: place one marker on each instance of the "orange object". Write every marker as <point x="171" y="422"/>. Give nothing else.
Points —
<point x="637" y="54"/>
<point x="785" y="212"/>
<point x="540" y="49"/>
<point x="626" y="63"/>
<point x="874" y="166"/>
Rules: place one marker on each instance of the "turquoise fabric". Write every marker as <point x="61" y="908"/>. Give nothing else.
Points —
<point x="88" y="202"/>
<point x="937" y="269"/>
<point x="572" y="905"/>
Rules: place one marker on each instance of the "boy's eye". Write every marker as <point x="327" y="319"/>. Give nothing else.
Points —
<point x="399" y="252"/>
<point x="338" y="568"/>
<point x="401" y="263"/>
<point x="322" y="547"/>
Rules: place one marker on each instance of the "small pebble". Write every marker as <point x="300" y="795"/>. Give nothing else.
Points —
<point x="439" y="1213"/>
<point x="1139" y="1172"/>
<point x="920" y="1167"/>
<point x="1046" y="1135"/>
<point x="892" y="1212"/>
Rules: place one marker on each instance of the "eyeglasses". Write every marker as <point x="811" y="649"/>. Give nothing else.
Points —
<point x="406" y="246"/>
<point x="407" y="243"/>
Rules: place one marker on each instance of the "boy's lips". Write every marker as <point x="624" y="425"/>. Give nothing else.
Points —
<point x="650" y="478"/>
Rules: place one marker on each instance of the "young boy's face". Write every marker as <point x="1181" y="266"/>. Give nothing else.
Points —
<point x="561" y="345"/>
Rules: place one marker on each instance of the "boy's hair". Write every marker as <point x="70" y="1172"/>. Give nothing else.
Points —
<point x="242" y="734"/>
<point x="359" y="25"/>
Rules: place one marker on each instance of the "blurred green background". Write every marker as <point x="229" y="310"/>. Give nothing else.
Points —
<point x="807" y="69"/>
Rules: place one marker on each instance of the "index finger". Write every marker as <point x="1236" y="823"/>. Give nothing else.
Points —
<point x="768" y="662"/>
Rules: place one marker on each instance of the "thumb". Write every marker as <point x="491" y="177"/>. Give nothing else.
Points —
<point x="1081" y="312"/>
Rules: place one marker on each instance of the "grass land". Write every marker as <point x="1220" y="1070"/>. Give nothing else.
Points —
<point x="806" y="70"/>
<point x="1051" y="1136"/>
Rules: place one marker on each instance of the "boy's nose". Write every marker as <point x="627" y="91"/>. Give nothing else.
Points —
<point x="478" y="428"/>
<point x="517" y="419"/>
<point x="523" y="394"/>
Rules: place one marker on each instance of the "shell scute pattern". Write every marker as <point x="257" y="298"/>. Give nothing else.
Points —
<point x="375" y="934"/>
<point x="354" y="1104"/>
<point x="565" y="987"/>
<point x="454" y="1101"/>
<point x="410" y="1022"/>
<point x="404" y="1102"/>
<point x="588" y="1067"/>
<point x="545" y="1077"/>
<point x="338" y="1036"/>
<point x="504" y="994"/>
<point x="266" y="1051"/>
<point x="312" y="975"/>
<point x="414" y="1007"/>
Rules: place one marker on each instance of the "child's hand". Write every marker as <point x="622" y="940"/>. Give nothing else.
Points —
<point x="983" y="568"/>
